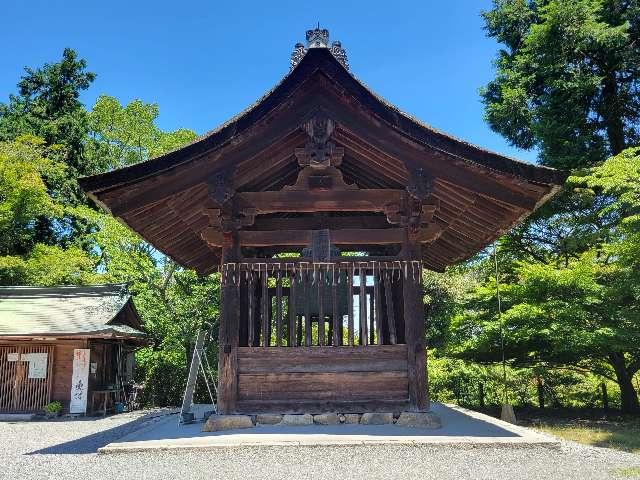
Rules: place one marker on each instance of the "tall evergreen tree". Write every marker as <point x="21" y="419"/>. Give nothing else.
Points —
<point x="568" y="77"/>
<point x="48" y="106"/>
<point x="568" y="84"/>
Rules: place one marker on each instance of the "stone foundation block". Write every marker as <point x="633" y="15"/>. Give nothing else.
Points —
<point x="419" y="420"/>
<point x="351" y="418"/>
<point x="297" y="420"/>
<point x="376" y="418"/>
<point x="216" y="423"/>
<point x="326" y="419"/>
<point x="268" y="419"/>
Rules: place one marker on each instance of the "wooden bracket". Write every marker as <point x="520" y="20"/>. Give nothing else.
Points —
<point x="235" y="219"/>
<point x="420" y="184"/>
<point x="319" y="151"/>
<point x="221" y="187"/>
<point x="411" y="213"/>
<point x="325" y="179"/>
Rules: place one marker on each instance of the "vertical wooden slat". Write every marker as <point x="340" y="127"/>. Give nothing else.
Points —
<point x="251" y="300"/>
<point x="264" y="297"/>
<point x="307" y="309"/>
<point x="377" y="306"/>
<point x="4" y="369"/>
<point x="17" y="381"/>
<point x="335" y="320"/>
<point x="27" y="385"/>
<point x="292" y="309"/>
<point x="52" y="358"/>
<point x="8" y="371"/>
<point x="364" y="334"/>
<point x="321" y="333"/>
<point x="279" y="309"/>
<point x="350" y="304"/>
<point x="26" y="390"/>
<point x="372" y="326"/>
<point x="388" y="296"/>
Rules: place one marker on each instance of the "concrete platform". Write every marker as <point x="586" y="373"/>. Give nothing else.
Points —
<point x="460" y="427"/>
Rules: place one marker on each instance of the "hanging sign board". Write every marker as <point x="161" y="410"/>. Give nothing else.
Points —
<point x="37" y="364"/>
<point x="79" y="380"/>
<point x="321" y="246"/>
<point x="12" y="357"/>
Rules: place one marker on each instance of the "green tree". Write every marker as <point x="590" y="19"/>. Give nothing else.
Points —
<point x="125" y="135"/>
<point x="23" y="193"/>
<point x="568" y="77"/>
<point x="51" y="235"/>
<point x="26" y="165"/>
<point x="47" y="106"/>
<point x="582" y="312"/>
<point x="443" y="293"/>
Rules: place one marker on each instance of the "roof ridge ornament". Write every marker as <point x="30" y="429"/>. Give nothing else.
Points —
<point x="319" y="38"/>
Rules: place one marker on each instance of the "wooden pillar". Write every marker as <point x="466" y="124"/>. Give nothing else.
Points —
<point x="414" y="326"/>
<point x="228" y="333"/>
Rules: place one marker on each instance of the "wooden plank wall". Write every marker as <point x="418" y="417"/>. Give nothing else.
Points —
<point x="63" y="371"/>
<point x="320" y="379"/>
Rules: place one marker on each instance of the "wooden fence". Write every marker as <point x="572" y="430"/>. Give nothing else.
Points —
<point x="26" y="373"/>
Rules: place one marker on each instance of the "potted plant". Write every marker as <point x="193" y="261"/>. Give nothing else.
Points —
<point x="53" y="409"/>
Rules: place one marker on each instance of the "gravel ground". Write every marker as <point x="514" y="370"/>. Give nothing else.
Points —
<point x="64" y="449"/>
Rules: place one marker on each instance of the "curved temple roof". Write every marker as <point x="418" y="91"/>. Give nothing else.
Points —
<point x="480" y="194"/>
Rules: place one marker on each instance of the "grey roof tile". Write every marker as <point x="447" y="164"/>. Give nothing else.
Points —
<point x="64" y="310"/>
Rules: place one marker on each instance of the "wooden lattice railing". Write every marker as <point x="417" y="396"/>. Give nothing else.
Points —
<point x="298" y="302"/>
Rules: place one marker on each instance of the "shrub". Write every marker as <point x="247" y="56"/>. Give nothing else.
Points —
<point x="54" y="407"/>
<point x="164" y="376"/>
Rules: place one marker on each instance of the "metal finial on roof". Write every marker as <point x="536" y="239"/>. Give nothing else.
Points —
<point x="319" y="38"/>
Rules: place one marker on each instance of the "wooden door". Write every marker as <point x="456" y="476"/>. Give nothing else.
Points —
<point x="25" y="377"/>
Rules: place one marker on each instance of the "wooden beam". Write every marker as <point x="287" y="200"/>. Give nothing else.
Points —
<point x="228" y="334"/>
<point x="414" y="332"/>
<point x="346" y="236"/>
<point x="254" y="238"/>
<point x="319" y="222"/>
<point x="371" y="200"/>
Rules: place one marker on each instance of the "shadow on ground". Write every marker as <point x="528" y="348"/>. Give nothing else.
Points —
<point x="91" y="443"/>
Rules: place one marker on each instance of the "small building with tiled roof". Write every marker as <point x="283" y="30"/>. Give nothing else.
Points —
<point x="69" y="344"/>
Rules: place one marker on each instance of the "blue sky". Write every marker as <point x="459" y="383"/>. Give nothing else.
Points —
<point x="203" y="62"/>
